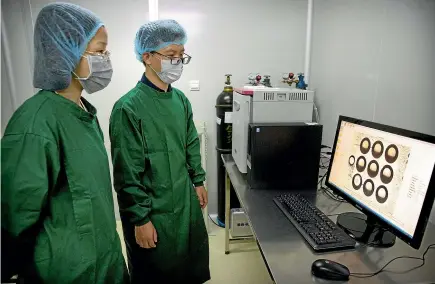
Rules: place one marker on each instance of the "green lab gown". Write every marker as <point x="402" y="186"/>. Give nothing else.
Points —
<point x="57" y="204"/>
<point x="156" y="161"/>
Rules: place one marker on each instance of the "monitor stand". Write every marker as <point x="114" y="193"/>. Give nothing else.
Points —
<point x="365" y="229"/>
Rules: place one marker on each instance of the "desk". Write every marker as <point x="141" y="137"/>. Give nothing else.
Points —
<point x="288" y="257"/>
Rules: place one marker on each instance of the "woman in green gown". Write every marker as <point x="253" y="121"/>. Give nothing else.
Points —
<point x="58" y="222"/>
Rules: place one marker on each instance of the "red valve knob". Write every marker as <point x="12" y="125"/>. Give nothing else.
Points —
<point x="291" y="75"/>
<point x="258" y="78"/>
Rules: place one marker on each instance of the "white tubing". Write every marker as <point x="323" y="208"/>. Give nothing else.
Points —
<point x="308" y="41"/>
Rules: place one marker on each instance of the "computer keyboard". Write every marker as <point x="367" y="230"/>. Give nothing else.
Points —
<point x="318" y="230"/>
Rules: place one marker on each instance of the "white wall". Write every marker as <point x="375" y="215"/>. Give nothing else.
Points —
<point x="16" y="57"/>
<point x="7" y="105"/>
<point x="375" y="60"/>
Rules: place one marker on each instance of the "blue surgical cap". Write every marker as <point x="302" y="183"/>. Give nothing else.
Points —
<point x="62" y="33"/>
<point x="159" y="34"/>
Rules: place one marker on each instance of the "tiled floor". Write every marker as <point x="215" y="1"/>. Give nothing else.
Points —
<point x="244" y="265"/>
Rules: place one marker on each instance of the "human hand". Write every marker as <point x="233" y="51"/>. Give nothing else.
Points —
<point x="202" y="196"/>
<point x="146" y="235"/>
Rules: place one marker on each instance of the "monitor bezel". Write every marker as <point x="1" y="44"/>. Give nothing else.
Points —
<point x="428" y="202"/>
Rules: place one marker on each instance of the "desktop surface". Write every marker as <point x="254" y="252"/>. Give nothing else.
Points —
<point x="289" y="258"/>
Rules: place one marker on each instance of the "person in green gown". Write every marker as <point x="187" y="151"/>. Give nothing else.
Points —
<point x="157" y="166"/>
<point x="58" y="221"/>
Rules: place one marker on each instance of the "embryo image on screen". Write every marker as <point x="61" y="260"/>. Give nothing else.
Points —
<point x="378" y="170"/>
<point x="386" y="173"/>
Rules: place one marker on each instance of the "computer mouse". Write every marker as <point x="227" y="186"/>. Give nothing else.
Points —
<point x="330" y="270"/>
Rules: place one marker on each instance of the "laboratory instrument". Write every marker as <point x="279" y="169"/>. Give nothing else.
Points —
<point x="284" y="155"/>
<point x="239" y="225"/>
<point x="258" y="104"/>
<point x="289" y="78"/>
<point x="266" y="81"/>
<point x="301" y="82"/>
<point x="254" y="79"/>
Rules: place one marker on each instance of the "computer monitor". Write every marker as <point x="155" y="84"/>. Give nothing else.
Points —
<point x="387" y="173"/>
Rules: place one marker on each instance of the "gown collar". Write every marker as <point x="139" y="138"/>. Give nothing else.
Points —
<point x="76" y="110"/>
<point x="147" y="82"/>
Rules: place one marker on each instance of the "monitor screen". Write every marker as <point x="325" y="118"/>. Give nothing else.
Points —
<point x="386" y="174"/>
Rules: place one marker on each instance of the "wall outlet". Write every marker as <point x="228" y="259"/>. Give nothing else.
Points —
<point x="194" y="85"/>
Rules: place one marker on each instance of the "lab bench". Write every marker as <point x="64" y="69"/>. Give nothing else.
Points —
<point x="288" y="257"/>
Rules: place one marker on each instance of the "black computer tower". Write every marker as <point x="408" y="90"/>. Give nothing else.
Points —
<point x="284" y="156"/>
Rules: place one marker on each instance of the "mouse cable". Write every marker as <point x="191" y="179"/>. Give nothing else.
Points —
<point x="368" y="275"/>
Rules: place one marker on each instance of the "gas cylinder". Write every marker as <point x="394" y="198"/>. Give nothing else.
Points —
<point x="224" y="131"/>
<point x="224" y="110"/>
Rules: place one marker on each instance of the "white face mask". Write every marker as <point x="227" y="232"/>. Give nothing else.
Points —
<point x="100" y="73"/>
<point x="170" y="73"/>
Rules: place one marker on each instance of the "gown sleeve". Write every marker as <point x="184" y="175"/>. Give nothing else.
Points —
<point x="29" y="168"/>
<point x="128" y="158"/>
<point x="197" y="173"/>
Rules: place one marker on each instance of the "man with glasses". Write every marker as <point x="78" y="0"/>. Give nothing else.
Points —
<point x="157" y="166"/>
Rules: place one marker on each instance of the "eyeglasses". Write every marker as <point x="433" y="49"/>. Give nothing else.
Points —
<point x="176" y="60"/>
<point x="105" y="54"/>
